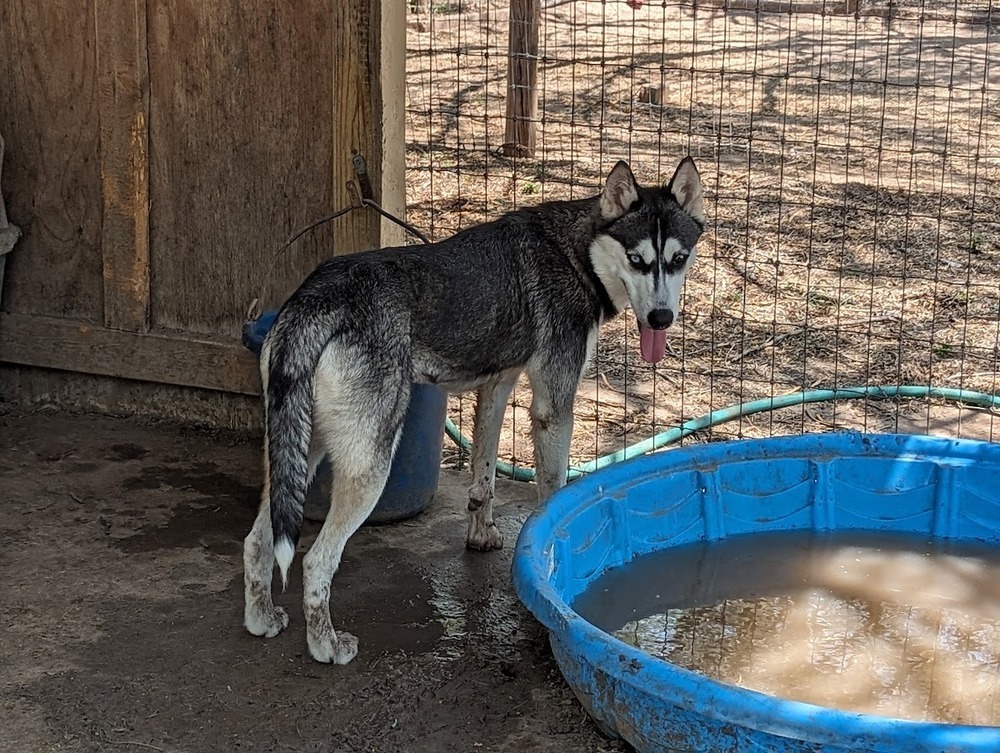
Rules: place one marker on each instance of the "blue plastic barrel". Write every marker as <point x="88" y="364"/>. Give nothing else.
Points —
<point x="416" y="468"/>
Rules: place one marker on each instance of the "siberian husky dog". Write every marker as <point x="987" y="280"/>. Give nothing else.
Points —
<point x="526" y="292"/>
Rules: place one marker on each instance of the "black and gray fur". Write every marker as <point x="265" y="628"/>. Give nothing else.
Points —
<point x="524" y="293"/>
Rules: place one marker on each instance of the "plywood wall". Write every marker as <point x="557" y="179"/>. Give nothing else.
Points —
<point x="240" y="140"/>
<point x="51" y="175"/>
<point x="159" y="154"/>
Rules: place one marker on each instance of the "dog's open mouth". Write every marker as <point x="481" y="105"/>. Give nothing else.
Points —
<point x="652" y="343"/>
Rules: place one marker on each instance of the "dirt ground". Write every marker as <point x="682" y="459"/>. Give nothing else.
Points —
<point x="121" y="604"/>
<point x="851" y="163"/>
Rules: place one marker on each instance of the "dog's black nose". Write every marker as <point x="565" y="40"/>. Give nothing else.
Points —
<point x="660" y="318"/>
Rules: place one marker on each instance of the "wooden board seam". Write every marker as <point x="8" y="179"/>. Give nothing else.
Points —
<point x="159" y="357"/>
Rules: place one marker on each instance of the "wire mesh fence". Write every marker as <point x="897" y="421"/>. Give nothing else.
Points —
<point x="851" y="155"/>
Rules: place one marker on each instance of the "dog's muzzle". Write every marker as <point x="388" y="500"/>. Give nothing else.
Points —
<point x="660" y="318"/>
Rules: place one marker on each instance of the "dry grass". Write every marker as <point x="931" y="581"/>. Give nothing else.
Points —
<point x="851" y="166"/>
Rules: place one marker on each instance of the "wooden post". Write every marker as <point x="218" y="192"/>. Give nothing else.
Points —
<point x="123" y="109"/>
<point x="522" y="78"/>
<point x="369" y="54"/>
<point x="392" y="170"/>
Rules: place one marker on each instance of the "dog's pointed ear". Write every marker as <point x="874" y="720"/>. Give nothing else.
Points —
<point x="685" y="187"/>
<point x="620" y="192"/>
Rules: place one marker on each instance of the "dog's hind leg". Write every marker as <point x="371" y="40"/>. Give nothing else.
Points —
<point x="491" y="401"/>
<point x="260" y="615"/>
<point x="359" y="425"/>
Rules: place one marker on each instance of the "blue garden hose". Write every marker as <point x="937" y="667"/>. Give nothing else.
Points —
<point x="722" y="415"/>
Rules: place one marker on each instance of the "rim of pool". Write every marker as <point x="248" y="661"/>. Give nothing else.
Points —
<point x="609" y="675"/>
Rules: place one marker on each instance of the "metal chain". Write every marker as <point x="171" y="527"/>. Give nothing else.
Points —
<point x="357" y="202"/>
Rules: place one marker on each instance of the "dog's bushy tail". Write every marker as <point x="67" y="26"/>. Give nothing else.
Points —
<point x="295" y="348"/>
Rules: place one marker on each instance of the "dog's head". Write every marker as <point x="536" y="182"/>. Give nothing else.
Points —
<point x="646" y="246"/>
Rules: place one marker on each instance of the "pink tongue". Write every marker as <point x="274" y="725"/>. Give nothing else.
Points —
<point x="652" y="344"/>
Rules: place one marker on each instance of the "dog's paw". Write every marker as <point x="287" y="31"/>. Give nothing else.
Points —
<point x="484" y="538"/>
<point x="338" y="648"/>
<point x="265" y="623"/>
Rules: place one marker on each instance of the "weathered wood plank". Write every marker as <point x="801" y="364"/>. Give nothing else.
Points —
<point x="31" y="387"/>
<point x="369" y="59"/>
<point x="392" y="124"/>
<point x="49" y="119"/>
<point x="357" y="107"/>
<point x="240" y="137"/>
<point x="54" y="343"/>
<point x="123" y="104"/>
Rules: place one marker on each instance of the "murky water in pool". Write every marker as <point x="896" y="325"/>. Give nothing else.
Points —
<point x="884" y="624"/>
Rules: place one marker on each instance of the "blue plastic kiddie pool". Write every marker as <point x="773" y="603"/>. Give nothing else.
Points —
<point x="935" y="487"/>
<point x="416" y="467"/>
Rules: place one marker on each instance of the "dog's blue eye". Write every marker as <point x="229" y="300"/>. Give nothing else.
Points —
<point x="635" y="260"/>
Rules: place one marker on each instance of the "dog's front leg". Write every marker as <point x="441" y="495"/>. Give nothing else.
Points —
<point x="491" y="400"/>
<point x="551" y="433"/>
